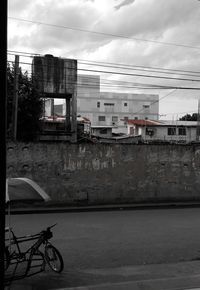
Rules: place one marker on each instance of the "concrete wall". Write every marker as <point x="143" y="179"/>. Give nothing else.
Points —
<point x="109" y="173"/>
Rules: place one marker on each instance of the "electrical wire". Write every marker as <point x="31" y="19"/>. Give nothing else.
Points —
<point x="117" y="65"/>
<point x="118" y="84"/>
<point x="122" y="84"/>
<point x="137" y="66"/>
<point x="157" y="101"/>
<point x="140" y="69"/>
<point x="102" y="33"/>
<point x="128" y="74"/>
<point x="139" y="75"/>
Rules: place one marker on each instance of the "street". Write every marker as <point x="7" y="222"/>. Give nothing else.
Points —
<point x="94" y="243"/>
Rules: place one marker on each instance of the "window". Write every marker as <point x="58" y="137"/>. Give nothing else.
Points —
<point x="102" y="118"/>
<point x="125" y="104"/>
<point x="136" y="118"/>
<point x="98" y="104"/>
<point x="125" y="120"/>
<point x="171" y="131"/>
<point x="103" y="131"/>
<point x="182" y="131"/>
<point x="109" y="104"/>
<point x="149" y="132"/>
<point x="114" y="118"/>
<point x="146" y="106"/>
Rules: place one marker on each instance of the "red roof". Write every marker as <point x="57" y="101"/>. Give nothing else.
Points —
<point x="142" y="122"/>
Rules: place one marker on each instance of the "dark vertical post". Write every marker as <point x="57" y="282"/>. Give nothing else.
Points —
<point x="3" y="94"/>
<point x="15" y="99"/>
<point x="74" y="103"/>
<point x="67" y="115"/>
<point x="198" y="122"/>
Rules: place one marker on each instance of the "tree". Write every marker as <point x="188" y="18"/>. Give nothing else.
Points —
<point x="30" y="106"/>
<point x="189" y="117"/>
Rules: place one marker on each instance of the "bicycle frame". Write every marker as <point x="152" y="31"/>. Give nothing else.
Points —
<point x="32" y="254"/>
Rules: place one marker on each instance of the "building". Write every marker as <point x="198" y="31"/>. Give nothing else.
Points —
<point x="48" y="107"/>
<point x="113" y="108"/>
<point x="88" y="91"/>
<point x="57" y="124"/>
<point x="101" y="131"/>
<point x="167" y="131"/>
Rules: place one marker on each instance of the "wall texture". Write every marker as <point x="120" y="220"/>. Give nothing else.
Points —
<point x="109" y="173"/>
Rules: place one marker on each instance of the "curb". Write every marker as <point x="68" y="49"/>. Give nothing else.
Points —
<point x="61" y="209"/>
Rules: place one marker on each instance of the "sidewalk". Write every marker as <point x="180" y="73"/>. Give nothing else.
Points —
<point x="182" y="276"/>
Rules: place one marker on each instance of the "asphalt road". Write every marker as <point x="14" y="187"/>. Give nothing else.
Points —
<point x="93" y="242"/>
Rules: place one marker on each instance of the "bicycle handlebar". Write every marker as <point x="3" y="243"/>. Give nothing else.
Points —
<point x="31" y="236"/>
<point x="52" y="226"/>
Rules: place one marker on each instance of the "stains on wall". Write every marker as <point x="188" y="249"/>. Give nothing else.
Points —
<point x="109" y="173"/>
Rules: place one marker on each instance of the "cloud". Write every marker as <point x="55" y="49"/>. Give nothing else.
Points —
<point x="124" y="3"/>
<point x="164" y="21"/>
<point x="148" y="18"/>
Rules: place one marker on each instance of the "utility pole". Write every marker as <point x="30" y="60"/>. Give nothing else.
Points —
<point x="3" y="98"/>
<point x="74" y="108"/>
<point x="198" y="122"/>
<point x="15" y="99"/>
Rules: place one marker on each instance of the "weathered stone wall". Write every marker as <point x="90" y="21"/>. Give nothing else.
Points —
<point x="109" y="173"/>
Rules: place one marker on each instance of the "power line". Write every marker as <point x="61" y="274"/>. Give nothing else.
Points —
<point x="128" y="67"/>
<point x="143" y="84"/>
<point x="178" y="113"/>
<point x="138" y="66"/>
<point x="22" y="53"/>
<point x="110" y="84"/>
<point x="157" y="101"/>
<point x="120" y="65"/>
<point x="121" y="83"/>
<point x="130" y="74"/>
<point x="139" y="75"/>
<point x="103" y="33"/>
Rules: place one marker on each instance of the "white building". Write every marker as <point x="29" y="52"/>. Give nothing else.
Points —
<point x="106" y="109"/>
<point x="113" y="108"/>
<point x="163" y="130"/>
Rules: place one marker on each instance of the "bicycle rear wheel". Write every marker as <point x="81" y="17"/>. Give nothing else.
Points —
<point x="54" y="258"/>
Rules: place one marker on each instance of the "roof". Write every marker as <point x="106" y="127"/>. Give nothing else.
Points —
<point x="83" y="119"/>
<point x="61" y="119"/>
<point x="162" y="123"/>
<point x="143" y="122"/>
<point x="178" y="123"/>
<point x="101" y="127"/>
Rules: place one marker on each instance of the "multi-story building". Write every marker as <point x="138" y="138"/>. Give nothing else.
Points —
<point x="113" y="108"/>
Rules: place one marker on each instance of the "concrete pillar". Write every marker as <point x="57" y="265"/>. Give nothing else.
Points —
<point x="67" y="116"/>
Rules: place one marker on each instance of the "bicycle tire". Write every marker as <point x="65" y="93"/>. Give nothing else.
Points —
<point x="6" y="259"/>
<point x="54" y="258"/>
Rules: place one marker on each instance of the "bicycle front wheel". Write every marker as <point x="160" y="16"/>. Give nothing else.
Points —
<point x="54" y="258"/>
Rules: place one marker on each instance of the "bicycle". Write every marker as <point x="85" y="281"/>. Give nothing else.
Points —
<point x="50" y="255"/>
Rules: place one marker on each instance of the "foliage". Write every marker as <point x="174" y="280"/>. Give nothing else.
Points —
<point x="30" y="106"/>
<point x="189" y="117"/>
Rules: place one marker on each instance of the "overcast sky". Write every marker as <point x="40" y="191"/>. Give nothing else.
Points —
<point x="150" y="33"/>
